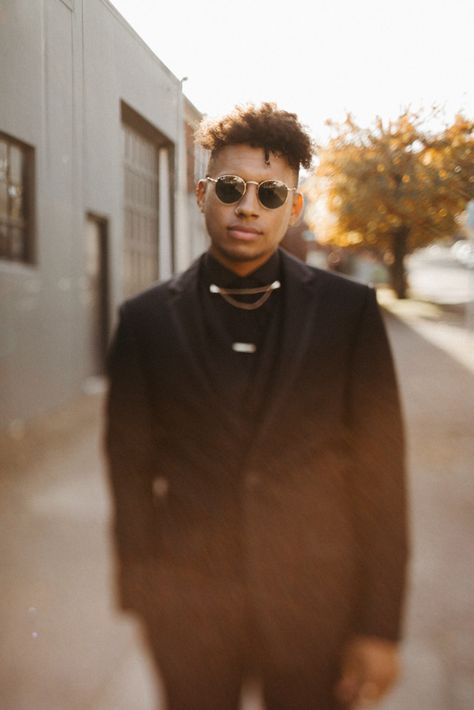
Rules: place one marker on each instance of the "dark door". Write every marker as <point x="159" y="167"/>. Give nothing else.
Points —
<point x="96" y="293"/>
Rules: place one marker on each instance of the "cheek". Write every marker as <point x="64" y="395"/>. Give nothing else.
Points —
<point x="215" y="218"/>
<point x="280" y="222"/>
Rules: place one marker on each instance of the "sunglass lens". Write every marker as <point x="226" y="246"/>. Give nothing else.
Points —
<point x="230" y="188"/>
<point x="272" y="193"/>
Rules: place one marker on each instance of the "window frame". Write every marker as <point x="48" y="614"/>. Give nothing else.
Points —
<point x="134" y="124"/>
<point x="29" y="251"/>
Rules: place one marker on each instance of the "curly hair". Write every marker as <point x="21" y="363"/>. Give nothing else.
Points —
<point x="265" y="126"/>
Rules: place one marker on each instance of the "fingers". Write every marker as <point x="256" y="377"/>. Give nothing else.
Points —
<point x="369" y="669"/>
<point x="347" y="689"/>
<point x="368" y="693"/>
<point x="355" y="693"/>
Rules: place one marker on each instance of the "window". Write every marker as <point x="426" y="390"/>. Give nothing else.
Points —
<point x="141" y="162"/>
<point x="16" y="213"/>
<point x="141" y="212"/>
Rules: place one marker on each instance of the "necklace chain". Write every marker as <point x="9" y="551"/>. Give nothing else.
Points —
<point x="229" y="293"/>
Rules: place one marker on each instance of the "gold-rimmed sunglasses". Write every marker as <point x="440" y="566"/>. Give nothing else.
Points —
<point x="270" y="193"/>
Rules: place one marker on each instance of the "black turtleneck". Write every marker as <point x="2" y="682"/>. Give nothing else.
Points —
<point x="228" y="323"/>
<point x="241" y="377"/>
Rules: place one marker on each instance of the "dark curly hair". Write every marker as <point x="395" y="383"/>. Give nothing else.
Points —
<point x="264" y="126"/>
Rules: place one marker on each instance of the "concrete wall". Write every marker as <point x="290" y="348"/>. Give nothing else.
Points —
<point x="65" y="67"/>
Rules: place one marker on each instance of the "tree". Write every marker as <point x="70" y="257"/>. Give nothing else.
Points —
<point x="395" y="185"/>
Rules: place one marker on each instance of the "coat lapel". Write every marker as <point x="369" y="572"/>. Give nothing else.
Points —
<point x="299" y="324"/>
<point x="187" y="318"/>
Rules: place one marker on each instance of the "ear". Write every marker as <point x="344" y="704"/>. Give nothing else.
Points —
<point x="200" y="192"/>
<point x="297" y="208"/>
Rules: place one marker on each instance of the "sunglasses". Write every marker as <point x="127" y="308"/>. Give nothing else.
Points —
<point x="270" y="193"/>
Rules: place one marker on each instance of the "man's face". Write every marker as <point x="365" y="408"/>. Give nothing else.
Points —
<point x="245" y="234"/>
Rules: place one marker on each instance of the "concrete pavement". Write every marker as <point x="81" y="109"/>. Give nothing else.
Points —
<point x="435" y="358"/>
<point x="64" y="647"/>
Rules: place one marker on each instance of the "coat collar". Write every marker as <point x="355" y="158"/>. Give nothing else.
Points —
<point x="186" y="280"/>
<point x="187" y="317"/>
<point x="301" y="299"/>
<point x="292" y="268"/>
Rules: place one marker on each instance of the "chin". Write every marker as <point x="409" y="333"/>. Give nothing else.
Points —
<point x="242" y="253"/>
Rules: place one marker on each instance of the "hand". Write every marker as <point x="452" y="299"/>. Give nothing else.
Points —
<point x="370" y="665"/>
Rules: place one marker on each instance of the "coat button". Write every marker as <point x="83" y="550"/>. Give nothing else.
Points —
<point x="160" y="487"/>
<point x="252" y="481"/>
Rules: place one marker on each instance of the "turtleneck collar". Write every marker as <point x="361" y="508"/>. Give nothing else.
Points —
<point x="215" y="272"/>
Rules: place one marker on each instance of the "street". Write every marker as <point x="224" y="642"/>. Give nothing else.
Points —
<point x="63" y="645"/>
<point x="436" y="276"/>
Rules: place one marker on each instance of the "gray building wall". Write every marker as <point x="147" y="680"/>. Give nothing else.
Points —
<point x="65" y="68"/>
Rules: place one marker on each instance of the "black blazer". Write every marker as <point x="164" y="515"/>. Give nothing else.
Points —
<point x="318" y="503"/>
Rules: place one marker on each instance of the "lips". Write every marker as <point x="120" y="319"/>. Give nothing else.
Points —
<point x="244" y="232"/>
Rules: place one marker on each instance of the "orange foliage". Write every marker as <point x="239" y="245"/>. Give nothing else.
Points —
<point x="393" y="178"/>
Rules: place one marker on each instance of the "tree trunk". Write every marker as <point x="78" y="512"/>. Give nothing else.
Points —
<point x="399" y="249"/>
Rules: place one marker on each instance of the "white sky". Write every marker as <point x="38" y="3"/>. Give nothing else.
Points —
<point x="315" y="58"/>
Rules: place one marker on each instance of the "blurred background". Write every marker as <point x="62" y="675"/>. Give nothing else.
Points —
<point x="98" y="105"/>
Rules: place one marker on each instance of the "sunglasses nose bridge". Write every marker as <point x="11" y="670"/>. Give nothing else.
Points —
<point x="249" y="198"/>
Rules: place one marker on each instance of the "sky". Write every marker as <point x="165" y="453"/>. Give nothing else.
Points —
<point x="318" y="59"/>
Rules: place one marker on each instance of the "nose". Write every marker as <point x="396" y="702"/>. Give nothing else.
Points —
<point x="248" y="205"/>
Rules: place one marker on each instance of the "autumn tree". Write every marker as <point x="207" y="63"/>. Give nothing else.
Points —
<point x="395" y="185"/>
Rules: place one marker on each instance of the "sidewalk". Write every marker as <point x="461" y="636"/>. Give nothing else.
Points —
<point x="435" y="358"/>
<point x="64" y="647"/>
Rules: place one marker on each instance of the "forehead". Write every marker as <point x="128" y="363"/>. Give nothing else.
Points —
<point x="249" y="163"/>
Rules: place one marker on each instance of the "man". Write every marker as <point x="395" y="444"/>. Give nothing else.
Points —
<point x="255" y="452"/>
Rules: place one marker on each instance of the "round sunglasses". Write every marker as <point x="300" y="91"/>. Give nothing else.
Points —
<point x="270" y="193"/>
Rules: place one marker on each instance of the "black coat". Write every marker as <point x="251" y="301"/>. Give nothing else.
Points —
<point x="315" y="508"/>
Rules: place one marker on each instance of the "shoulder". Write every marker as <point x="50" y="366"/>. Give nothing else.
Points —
<point x="146" y="300"/>
<point x="159" y="295"/>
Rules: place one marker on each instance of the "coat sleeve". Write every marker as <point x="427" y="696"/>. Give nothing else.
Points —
<point x="129" y="451"/>
<point x="379" y="485"/>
